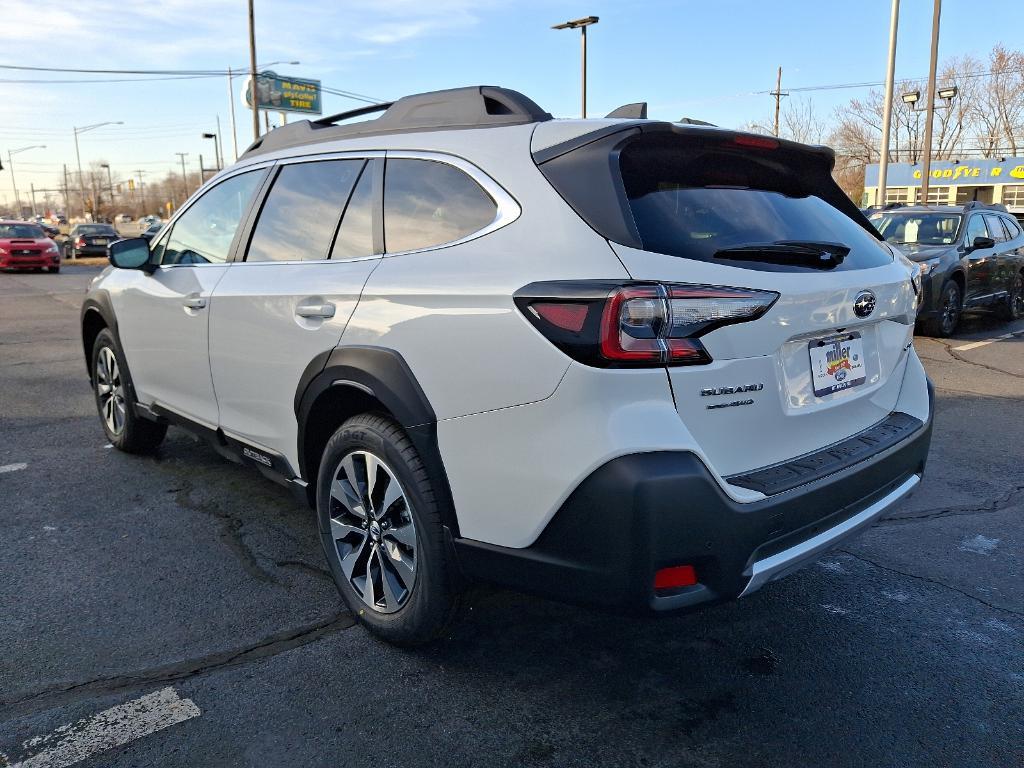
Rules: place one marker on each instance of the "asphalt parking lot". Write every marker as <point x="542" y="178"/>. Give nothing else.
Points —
<point x="185" y="597"/>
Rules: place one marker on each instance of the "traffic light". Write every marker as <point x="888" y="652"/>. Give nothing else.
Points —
<point x="131" y="184"/>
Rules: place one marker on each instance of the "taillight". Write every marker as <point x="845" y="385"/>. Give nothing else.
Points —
<point x="611" y="324"/>
<point x="80" y="242"/>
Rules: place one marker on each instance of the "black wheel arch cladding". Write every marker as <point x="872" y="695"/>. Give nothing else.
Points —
<point x="383" y="375"/>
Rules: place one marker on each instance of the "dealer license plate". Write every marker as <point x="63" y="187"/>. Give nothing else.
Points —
<point x="837" y="363"/>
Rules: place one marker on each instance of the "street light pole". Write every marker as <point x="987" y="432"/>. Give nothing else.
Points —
<point x="926" y="166"/>
<point x="582" y="25"/>
<point x="78" y="157"/>
<point x="231" y="104"/>
<point x="252" y="74"/>
<point x="890" y="74"/>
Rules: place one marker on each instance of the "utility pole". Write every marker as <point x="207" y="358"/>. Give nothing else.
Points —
<point x="67" y="199"/>
<point x="252" y="74"/>
<point x="184" y="179"/>
<point x="778" y="94"/>
<point x="202" y="171"/>
<point x="142" y="191"/>
<point x="110" y="183"/>
<point x="926" y="165"/>
<point x="890" y="74"/>
<point x="32" y="188"/>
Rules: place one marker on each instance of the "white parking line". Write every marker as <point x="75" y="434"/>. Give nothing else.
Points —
<point x="111" y="728"/>
<point x="12" y="467"/>
<point x="976" y="344"/>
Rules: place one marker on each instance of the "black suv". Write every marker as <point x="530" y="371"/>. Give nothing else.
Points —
<point x="970" y="257"/>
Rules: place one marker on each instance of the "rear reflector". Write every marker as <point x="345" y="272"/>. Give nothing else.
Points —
<point x="675" y="577"/>
<point x="569" y="317"/>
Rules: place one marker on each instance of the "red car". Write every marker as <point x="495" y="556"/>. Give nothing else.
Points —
<point x="24" y="245"/>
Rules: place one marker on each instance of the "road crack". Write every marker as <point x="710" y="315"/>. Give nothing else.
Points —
<point x="269" y="646"/>
<point x="935" y="582"/>
<point x="230" y="532"/>
<point x="996" y="505"/>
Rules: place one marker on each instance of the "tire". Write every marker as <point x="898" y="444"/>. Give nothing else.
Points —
<point x="950" y="308"/>
<point x="126" y="430"/>
<point x="53" y="270"/>
<point x="390" y="563"/>
<point x="1013" y="308"/>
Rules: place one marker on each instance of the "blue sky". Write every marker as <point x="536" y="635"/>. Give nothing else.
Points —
<point x="689" y="57"/>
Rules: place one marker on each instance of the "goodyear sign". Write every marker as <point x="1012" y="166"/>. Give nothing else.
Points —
<point x="975" y="172"/>
<point x="285" y="94"/>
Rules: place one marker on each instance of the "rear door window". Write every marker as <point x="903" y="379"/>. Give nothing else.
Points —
<point x="301" y="212"/>
<point x="1012" y="230"/>
<point x="429" y="203"/>
<point x="355" y="235"/>
<point x="714" y="203"/>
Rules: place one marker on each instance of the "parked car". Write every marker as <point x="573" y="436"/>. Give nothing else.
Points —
<point x="147" y="221"/>
<point x="24" y="245"/>
<point x="152" y="231"/>
<point x="89" y="240"/>
<point x="633" y="363"/>
<point x="971" y="258"/>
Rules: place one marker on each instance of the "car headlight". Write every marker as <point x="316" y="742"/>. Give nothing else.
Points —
<point x="52" y="248"/>
<point x="928" y="266"/>
<point x="915" y="280"/>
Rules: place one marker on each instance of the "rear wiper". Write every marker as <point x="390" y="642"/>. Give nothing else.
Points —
<point x="807" y="253"/>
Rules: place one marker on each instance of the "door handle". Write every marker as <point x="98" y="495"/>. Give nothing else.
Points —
<point x="324" y="311"/>
<point x="195" y="301"/>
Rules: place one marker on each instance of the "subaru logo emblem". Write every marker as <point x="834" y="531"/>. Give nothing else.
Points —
<point x="864" y="304"/>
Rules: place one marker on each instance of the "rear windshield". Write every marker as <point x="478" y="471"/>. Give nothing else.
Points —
<point x="96" y="229"/>
<point x="919" y="228"/>
<point x="15" y="231"/>
<point x="746" y="207"/>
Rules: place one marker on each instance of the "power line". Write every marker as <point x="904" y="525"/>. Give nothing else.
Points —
<point x="841" y="86"/>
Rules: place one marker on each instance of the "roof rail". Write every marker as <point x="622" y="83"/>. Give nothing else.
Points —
<point x="977" y="204"/>
<point x="478" y="106"/>
<point x="332" y="119"/>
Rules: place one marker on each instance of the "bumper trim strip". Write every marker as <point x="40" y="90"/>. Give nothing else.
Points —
<point x="778" y="565"/>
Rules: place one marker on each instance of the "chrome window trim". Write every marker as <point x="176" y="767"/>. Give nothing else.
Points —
<point x="350" y="155"/>
<point x="507" y="208"/>
<point x="214" y="182"/>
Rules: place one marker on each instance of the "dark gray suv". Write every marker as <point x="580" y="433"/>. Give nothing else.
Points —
<point x="971" y="257"/>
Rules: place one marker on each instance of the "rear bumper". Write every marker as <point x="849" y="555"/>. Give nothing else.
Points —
<point x="642" y="512"/>
<point x="89" y="250"/>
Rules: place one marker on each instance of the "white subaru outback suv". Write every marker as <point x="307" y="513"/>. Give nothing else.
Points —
<point x="631" y="363"/>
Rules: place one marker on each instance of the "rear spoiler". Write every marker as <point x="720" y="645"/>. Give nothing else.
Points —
<point x="605" y="200"/>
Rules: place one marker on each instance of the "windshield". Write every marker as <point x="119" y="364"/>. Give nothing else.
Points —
<point x="713" y="203"/>
<point x="16" y="231"/>
<point x="96" y="229"/>
<point x="917" y="228"/>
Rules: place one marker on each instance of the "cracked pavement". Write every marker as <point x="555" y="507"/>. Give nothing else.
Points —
<point x="122" y="575"/>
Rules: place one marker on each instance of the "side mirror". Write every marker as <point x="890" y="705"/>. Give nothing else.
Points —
<point x="130" y="253"/>
<point x="982" y="242"/>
